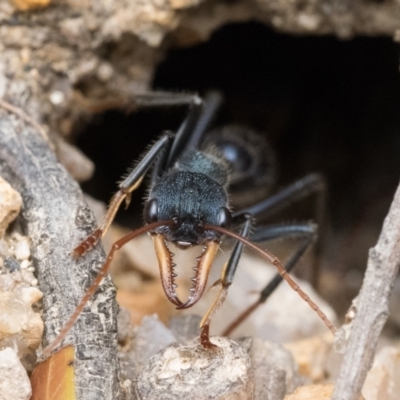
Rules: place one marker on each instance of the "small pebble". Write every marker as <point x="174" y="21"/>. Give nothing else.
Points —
<point x="11" y="264"/>
<point x="312" y="392"/>
<point x="14" y="381"/>
<point x="383" y="379"/>
<point x="185" y="327"/>
<point x="22" y="250"/>
<point x="151" y="337"/>
<point x="127" y="383"/>
<point x="25" y="265"/>
<point x="20" y="326"/>
<point x="105" y="72"/>
<point x="10" y="205"/>
<point x="77" y="163"/>
<point x="57" y="97"/>
<point x="31" y="295"/>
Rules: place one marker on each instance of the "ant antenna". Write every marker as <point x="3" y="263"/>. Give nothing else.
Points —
<point x="103" y="271"/>
<point x="284" y="274"/>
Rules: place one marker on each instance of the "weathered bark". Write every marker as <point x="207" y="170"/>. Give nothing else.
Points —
<point x="55" y="217"/>
<point x="372" y="307"/>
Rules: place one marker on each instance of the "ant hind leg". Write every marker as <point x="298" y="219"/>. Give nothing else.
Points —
<point x="312" y="184"/>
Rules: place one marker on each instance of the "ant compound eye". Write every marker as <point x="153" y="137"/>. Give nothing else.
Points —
<point x="151" y="211"/>
<point x="224" y="217"/>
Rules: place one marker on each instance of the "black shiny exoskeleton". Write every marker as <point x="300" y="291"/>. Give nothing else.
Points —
<point x="193" y="193"/>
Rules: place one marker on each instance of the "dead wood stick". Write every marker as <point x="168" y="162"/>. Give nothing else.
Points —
<point x="24" y="116"/>
<point x="55" y="217"/>
<point x="372" y="310"/>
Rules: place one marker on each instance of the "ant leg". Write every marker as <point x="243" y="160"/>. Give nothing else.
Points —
<point x="226" y="279"/>
<point x="96" y="283"/>
<point x="184" y="132"/>
<point x="164" y="99"/>
<point x="275" y="261"/>
<point x="131" y="102"/>
<point x="195" y="124"/>
<point x="131" y="183"/>
<point x="192" y="130"/>
<point x="272" y="232"/>
<point x="309" y="236"/>
<point x="212" y="102"/>
<point x="310" y="184"/>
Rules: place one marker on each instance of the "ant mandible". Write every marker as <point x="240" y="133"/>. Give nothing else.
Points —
<point x="188" y="205"/>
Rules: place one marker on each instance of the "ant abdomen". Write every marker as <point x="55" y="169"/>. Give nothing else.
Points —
<point x="252" y="166"/>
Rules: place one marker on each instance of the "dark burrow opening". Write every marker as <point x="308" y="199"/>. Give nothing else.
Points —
<point x="324" y="105"/>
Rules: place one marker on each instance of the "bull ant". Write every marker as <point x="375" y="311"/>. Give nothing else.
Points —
<point x="187" y="204"/>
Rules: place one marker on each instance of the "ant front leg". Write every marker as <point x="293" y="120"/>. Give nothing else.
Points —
<point x="282" y="271"/>
<point x="226" y="279"/>
<point x="308" y="234"/>
<point x="131" y="183"/>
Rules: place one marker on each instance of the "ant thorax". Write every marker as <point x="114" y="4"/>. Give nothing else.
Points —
<point x="193" y="194"/>
<point x="209" y="162"/>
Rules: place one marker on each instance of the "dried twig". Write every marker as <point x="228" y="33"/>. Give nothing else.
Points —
<point x="55" y="217"/>
<point x="372" y="310"/>
<point x="25" y="117"/>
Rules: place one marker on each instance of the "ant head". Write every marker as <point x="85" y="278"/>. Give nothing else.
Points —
<point x="191" y="200"/>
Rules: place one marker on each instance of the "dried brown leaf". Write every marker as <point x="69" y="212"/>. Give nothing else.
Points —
<point x="53" y="379"/>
